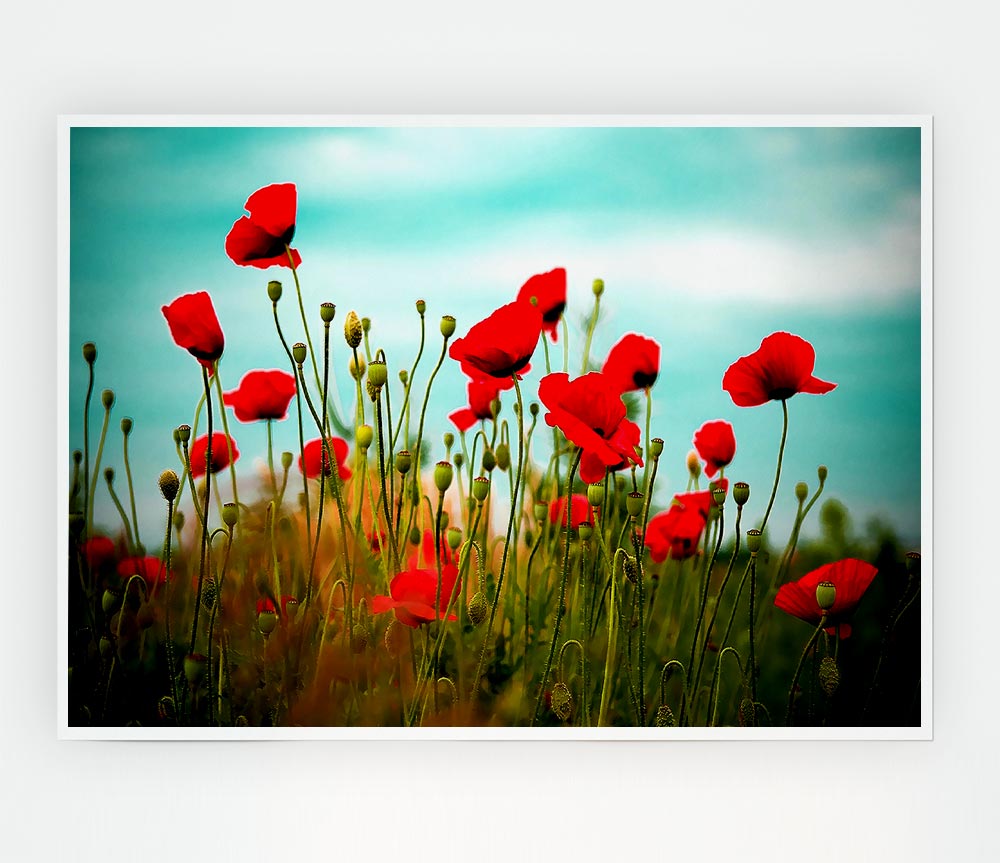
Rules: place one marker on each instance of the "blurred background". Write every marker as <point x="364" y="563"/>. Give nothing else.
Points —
<point x="708" y="239"/>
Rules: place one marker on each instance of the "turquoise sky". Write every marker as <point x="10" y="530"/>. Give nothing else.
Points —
<point x="707" y="239"/>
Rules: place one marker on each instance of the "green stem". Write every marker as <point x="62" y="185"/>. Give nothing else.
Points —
<point x="777" y="472"/>
<point x="204" y="521"/>
<point x="798" y="669"/>
<point x="229" y="440"/>
<point x="131" y="488"/>
<point x="562" y="583"/>
<point x="92" y="490"/>
<point x="506" y="546"/>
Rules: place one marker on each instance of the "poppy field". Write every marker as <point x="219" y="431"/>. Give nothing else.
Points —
<point x="519" y="561"/>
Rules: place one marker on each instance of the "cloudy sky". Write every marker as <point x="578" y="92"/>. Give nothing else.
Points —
<point x="708" y="240"/>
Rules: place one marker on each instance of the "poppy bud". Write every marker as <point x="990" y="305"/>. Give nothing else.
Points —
<point x="447" y="326"/>
<point x="266" y="621"/>
<point x="194" y="668"/>
<point x="394" y="638"/>
<point x="108" y="399"/>
<point x="480" y="488"/>
<point x="459" y="460"/>
<point x="178" y="520"/>
<point x="633" y="503"/>
<point x="561" y="701"/>
<point x="913" y="563"/>
<point x="415" y="535"/>
<point x="822" y="473"/>
<point x="753" y="541"/>
<point x="801" y="492"/>
<point x="595" y="493"/>
<point x="586" y="530"/>
<point x="359" y="638"/>
<point x="353" y="332"/>
<point x="126" y="426"/>
<point x="89" y="352"/>
<point x="598" y="287"/>
<point x="299" y="352"/>
<point x="165" y="708"/>
<point x="208" y="594"/>
<point x="356" y="367"/>
<point x="169" y="484"/>
<point x="619" y="484"/>
<point x="403" y="461"/>
<point x="454" y="538"/>
<point x="230" y="514"/>
<point x="110" y="601"/>
<point x="421" y="307"/>
<point x="184" y="433"/>
<point x="364" y="435"/>
<point x="541" y="510"/>
<point x="241" y="721"/>
<point x="503" y="456"/>
<point x="327" y="312"/>
<point x="378" y="374"/>
<point x="533" y="409"/>
<point x="477" y="608"/>
<point x="274" y="291"/>
<point x="826" y="595"/>
<point x="489" y="460"/>
<point x="286" y="460"/>
<point x="366" y="324"/>
<point x="109" y="475"/>
<point x="694" y="464"/>
<point x="449" y="440"/>
<point x="664" y="717"/>
<point x="718" y="495"/>
<point x="443" y="474"/>
<point x="105" y="646"/>
<point x="631" y="569"/>
<point x="748" y="713"/>
<point x="656" y="447"/>
<point x="829" y="676"/>
<point x="741" y="493"/>
<point x="403" y="377"/>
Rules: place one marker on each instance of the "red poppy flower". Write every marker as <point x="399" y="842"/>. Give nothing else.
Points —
<point x="315" y="456"/>
<point x="781" y="367"/>
<point x="676" y="532"/>
<point x="591" y="415"/>
<point x="850" y="577"/>
<point x="150" y="568"/>
<point x="414" y="592"/>
<point x="481" y="395"/>
<point x="502" y="344"/>
<point x="633" y="363"/>
<point x="259" y="240"/>
<point x="549" y="291"/>
<point x="423" y="555"/>
<point x="98" y="551"/>
<point x="716" y="444"/>
<point x="220" y="454"/>
<point x="194" y="326"/>
<point x="581" y="511"/>
<point x="377" y="540"/>
<point x="261" y="395"/>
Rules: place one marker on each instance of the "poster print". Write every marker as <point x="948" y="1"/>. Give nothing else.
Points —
<point x="555" y="427"/>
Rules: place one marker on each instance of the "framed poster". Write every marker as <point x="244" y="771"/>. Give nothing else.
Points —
<point x="533" y="427"/>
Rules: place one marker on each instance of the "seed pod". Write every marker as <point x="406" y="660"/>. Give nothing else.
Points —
<point x="741" y="493"/>
<point x="230" y="514"/>
<point x="595" y="493"/>
<point x="299" y="352"/>
<point x="443" y="474"/>
<point x="633" y="503"/>
<point x="274" y="291"/>
<point x="826" y="595"/>
<point x="327" y="312"/>
<point x="480" y="488"/>
<point x="447" y="326"/>
<point x="753" y="541"/>
<point x="266" y="622"/>
<point x="89" y="352"/>
<point x="364" y="435"/>
<point x="378" y="374"/>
